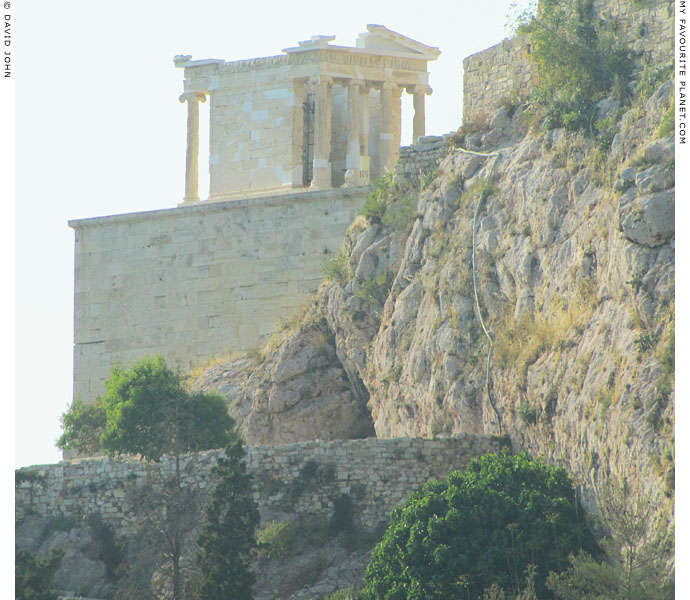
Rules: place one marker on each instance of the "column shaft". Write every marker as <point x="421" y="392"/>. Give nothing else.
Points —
<point x="191" y="183"/>
<point x="418" y="124"/>
<point x="352" y="156"/>
<point x="322" y="134"/>
<point x="390" y="125"/>
<point x="364" y="172"/>
<point x="298" y="142"/>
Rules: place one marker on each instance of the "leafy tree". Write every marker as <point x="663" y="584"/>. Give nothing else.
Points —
<point x="33" y="578"/>
<point x="82" y="427"/>
<point x="147" y="411"/>
<point x="484" y="526"/>
<point x="229" y="534"/>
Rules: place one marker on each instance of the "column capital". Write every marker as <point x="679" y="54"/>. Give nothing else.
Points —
<point x="321" y="79"/>
<point x="192" y="96"/>
<point x="419" y="89"/>
<point x="393" y="88"/>
<point x="357" y="83"/>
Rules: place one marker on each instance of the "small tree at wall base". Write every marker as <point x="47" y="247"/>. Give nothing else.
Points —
<point x="147" y="411"/>
<point x="229" y="534"/>
<point x="506" y="521"/>
<point x="82" y="427"/>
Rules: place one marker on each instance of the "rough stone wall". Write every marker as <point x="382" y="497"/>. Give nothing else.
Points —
<point x="197" y="282"/>
<point x="645" y="25"/>
<point x="497" y="75"/>
<point x="423" y="156"/>
<point x="504" y="71"/>
<point x="377" y="473"/>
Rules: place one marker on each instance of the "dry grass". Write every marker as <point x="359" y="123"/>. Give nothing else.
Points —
<point x="195" y="373"/>
<point x="520" y="345"/>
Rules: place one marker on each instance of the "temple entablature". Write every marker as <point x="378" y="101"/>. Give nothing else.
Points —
<point x="318" y="116"/>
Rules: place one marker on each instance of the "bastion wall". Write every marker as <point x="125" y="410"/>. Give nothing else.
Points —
<point x="197" y="281"/>
<point x="303" y="478"/>
<point x="506" y="73"/>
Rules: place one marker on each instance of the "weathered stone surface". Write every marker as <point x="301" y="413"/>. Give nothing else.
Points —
<point x="649" y="219"/>
<point x="653" y="179"/>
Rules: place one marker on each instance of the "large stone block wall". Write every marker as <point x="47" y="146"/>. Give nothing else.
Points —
<point x="377" y="474"/>
<point x="499" y="74"/>
<point x="199" y="281"/>
<point x="505" y="72"/>
<point x="424" y="156"/>
<point x="646" y="26"/>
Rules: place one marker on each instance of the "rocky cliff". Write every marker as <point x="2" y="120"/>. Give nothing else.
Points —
<point x="567" y="346"/>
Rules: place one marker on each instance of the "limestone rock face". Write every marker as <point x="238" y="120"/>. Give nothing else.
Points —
<point x="300" y="391"/>
<point x="574" y="270"/>
<point x="574" y="267"/>
<point x="81" y="571"/>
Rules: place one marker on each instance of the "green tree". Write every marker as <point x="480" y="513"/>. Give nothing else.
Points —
<point x="147" y="411"/>
<point x="82" y="427"/>
<point x="33" y="578"/>
<point x="484" y="526"/>
<point x="229" y="534"/>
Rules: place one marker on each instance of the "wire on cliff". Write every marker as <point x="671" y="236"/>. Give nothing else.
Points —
<point x="480" y="201"/>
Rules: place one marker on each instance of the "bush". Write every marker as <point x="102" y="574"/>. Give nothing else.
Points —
<point x="342" y="517"/>
<point x="375" y="291"/>
<point x="580" y="60"/>
<point x="527" y="414"/>
<point x="390" y="203"/>
<point x="338" y="268"/>
<point x="33" y="578"/>
<point x="347" y="594"/>
<point x="82" y="426"/>
<point x="276" y="539"/>
<point x="667" y="123"/>
<point x="483" y="526"/>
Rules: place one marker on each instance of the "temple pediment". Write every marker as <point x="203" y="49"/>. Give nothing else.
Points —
<point x="380" y="38"/>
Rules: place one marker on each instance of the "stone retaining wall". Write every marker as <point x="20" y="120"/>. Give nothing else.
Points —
<point x="505" y="73"/>
<point x="303" y="478"/>
<point x="424" y="156"/>
<point x="502" y="73"/>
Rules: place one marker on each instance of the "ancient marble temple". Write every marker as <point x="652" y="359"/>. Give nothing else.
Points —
<point x="316" y="117"/>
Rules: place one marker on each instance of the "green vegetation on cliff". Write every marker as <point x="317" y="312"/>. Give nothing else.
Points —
<point x="494" y="523"/>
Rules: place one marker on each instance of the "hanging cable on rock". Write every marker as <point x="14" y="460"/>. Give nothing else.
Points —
<point x="480" y="201"/>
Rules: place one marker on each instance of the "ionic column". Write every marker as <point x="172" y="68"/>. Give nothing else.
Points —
<point x="352" y="157"/>
<point x="321" y="177"/>
<point x="298" y="92"/>
<point x="390" y="125"/>
<point x="364" y="166"/>
<point x="191" y="181"/>
<point x="418" y="121"/>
